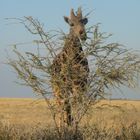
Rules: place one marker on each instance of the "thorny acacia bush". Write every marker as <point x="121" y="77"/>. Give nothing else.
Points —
<point x="111" y="65"/>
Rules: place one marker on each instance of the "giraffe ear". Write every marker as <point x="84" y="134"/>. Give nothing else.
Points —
<point x="67" y="20"/>
<point x="84" y="21"/>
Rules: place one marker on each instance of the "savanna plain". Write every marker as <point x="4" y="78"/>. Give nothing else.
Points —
<point x="107" y="120"/>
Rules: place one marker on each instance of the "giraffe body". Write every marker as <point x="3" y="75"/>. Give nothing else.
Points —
<point x="70" y="68"/>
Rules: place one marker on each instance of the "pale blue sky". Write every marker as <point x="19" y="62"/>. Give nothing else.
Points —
<point x="120" y="17"/>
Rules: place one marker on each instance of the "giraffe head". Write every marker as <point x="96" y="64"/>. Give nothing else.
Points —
<point x="77" y="24"/>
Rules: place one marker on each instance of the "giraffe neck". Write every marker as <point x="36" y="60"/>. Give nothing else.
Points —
<point x="73" y="42"/>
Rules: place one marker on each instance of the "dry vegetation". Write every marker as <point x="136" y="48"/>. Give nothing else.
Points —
<point x="110" y="66"/>
<point x="30" y="119"/>
<point x="23" y="111"/>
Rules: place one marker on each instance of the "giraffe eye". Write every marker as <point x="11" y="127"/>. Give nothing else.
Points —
<point x="72" y="24"/>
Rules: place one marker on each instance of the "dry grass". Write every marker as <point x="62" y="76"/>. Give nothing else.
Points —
<point x="24" y="111"/>
<point x="32" y="116"/>
<point x="114" y="112"/>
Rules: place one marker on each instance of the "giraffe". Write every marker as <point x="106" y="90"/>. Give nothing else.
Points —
<point x="69" y="70"/>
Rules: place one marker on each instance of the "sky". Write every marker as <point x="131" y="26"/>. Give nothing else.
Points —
<point x="119" y="17"/>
